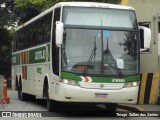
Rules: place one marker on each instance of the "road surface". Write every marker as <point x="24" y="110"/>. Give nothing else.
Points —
<point x="38" y="108"/>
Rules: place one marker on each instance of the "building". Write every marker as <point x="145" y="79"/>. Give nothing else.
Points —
<point x="148" y="15"/>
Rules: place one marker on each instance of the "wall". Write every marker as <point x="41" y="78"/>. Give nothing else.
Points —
<point x="148" y="11"/>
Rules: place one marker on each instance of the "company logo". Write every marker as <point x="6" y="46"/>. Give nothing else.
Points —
<point x="14" y="59"/>
<point x="21" y="114"/>
<point x="6" y="114"/>
<point x="40" y="55"/>
<point x="101" y="85"/>
<point x="118" y="80"/>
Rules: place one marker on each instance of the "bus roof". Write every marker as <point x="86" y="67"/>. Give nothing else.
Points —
<point x="77" y="4"/>
<point x="94" y="4"/>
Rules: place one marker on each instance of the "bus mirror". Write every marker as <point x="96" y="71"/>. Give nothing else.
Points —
<point x="145" y="38"/>
<point x="59" y="33"/>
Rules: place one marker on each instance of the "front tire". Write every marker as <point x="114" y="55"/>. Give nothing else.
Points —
<point x="52" y="106"/>
<point x="111" y="107"/>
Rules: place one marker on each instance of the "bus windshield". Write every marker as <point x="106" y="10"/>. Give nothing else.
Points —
<point x="99" y="17"/>
<point x="94" y="51"/>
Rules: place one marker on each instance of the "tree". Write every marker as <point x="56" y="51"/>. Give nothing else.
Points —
<point x="5" y="52"/>
<point x="27" y="9"/>
<point x="7" y="17"/>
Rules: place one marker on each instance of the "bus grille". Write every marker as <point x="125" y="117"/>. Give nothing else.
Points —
<point x="107" y="86"/>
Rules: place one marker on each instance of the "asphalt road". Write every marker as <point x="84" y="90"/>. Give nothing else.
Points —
<point x="70" y="111"/>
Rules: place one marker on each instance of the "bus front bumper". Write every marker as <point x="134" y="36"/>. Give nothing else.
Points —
<point x="69" y="93"/>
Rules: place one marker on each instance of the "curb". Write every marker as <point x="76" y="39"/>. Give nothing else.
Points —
<point x="130" y="108"/>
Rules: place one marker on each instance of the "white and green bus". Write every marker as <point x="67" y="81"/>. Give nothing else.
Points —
<point x="79" y="52"/>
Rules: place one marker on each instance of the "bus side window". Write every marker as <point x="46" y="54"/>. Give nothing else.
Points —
<point x="47" y="27"/>
<point x="20" y="40"/>
<point x="55" y="49"/>
<point x="34" y="37"/>
<point x="30" y="33"/>
<point x="17" y="40"/>
<point x="40" y="33"/>
<point x="25" y="39"/>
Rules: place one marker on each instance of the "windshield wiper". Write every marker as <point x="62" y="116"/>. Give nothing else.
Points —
<point x="108" y="52"/>
<point x="93" y="54"/>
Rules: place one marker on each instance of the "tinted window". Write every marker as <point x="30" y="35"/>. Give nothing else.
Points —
<point x="55" y="49"/>
<point x="33" y="34"/>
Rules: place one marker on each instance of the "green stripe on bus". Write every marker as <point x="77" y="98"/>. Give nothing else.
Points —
<point x="38" y="55"/>
<point x="16" y="59"/>
<point x="70" y="76"/>
<point x="110" y="80"/>
<point x="100" y="79"/>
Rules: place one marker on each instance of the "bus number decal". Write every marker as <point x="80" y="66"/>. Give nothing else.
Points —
<point x="118" y="80"/>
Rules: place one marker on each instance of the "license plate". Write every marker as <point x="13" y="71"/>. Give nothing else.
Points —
<point x="101" y="95"/>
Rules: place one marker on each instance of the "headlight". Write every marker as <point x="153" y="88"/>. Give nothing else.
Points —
<point x="69" y="82"/>
<point x="132" y="84"/>
<point x="65" y="81"/>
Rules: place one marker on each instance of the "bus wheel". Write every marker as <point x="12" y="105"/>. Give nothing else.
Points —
<point x="31" y="97"/>
<point x="111" y="107"/>
<point x="52" y="105"/>
<point x="16" y="86"/>
<point x="21" y="96"/>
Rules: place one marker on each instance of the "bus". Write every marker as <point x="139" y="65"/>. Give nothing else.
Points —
<point x="79" y="52"/>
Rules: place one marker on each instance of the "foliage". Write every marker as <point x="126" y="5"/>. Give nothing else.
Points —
<point x="5" y="51"/>
<point x="26" y="9"/>
<point x="6" y="19"/>
<point x="6" y="14"/>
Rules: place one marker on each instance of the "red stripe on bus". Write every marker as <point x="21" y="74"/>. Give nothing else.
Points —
<point x="86" y="79"/>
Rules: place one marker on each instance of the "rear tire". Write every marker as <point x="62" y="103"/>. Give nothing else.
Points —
<point x="21" y="96"/>
<point x="16" y="84"/>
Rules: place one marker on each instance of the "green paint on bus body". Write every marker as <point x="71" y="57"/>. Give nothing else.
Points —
<point x="102" y="79"/>
<point x="38" y="55"/>
<point x="16" y="59"/>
